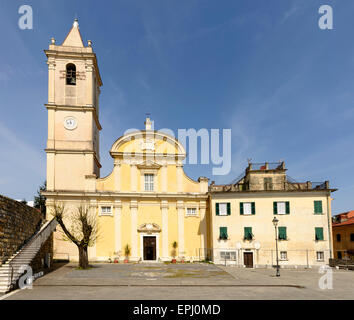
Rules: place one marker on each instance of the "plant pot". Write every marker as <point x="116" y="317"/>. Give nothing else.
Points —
<point x="126" y="260"/>
<point x="174" y="261"/>
<point x="116" y="261"/>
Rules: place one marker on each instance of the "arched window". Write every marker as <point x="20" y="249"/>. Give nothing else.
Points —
<point x="71" y="74"/>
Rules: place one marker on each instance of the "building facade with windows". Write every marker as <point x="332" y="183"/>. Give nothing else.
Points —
<point x="241" y="215"/>
<point x="343" y="235"/>
<point x="147" y="202"/>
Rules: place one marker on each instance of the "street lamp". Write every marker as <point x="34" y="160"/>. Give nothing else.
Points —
<point x="275" y="222"/>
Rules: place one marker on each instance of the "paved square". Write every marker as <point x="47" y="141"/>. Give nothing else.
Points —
<point x="184" y="281"/>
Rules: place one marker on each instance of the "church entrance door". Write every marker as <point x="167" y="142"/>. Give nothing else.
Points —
<point x="150" y="248"/>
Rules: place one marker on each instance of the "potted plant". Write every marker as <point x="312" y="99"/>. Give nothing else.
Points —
<point x="127" y="253"/>
<point x="174" y="251"/>
<point x="116" y="258"/>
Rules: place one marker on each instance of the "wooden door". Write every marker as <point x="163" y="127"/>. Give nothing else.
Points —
<point x="248" y="259"/>
<point x="149" y="248"/>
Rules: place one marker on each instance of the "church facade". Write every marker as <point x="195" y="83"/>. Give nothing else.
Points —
<point x="148" y="203"/>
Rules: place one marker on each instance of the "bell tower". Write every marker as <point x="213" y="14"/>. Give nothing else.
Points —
<point x="74" y="85"/>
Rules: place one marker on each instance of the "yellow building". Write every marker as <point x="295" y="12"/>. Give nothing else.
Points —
<point x="242" y="213"/>
<point x="147" y="202"/>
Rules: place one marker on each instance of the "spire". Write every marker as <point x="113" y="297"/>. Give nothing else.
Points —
<point x="73" y="39"/>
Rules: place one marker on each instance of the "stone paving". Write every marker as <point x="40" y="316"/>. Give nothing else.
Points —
<point x="184" y="281"/>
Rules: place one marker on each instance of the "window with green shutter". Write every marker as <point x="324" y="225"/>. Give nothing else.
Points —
<point x="318" y="207"/>
<point x="287" y="207"/>
<point x="281" y="207"/>
<point x="223" y="233"/>
<point x="247" y="208"/>
<point x="248" y="233"/>
<point x="223" y="209"/>
<point x="275" y="207"/>
<point x="282" y="233"/>
<point x="319" y="234"/>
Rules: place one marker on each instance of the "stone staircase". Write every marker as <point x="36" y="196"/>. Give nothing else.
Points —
<point x="13" y="268"/>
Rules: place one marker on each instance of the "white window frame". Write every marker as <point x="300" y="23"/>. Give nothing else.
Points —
<point x="278" y="207"/>
<point x="149" y="182"/>
<point x="110" y="213"/>
<point x="321" y="253"/>
<point x="286" y="255"/>
<point x="223" y="204"/>
<point x="190" y="214"/>
<point x="250" y="208"/>
<point x="228" y="253"/>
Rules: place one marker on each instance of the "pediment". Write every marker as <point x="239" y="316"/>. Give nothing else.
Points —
<point x="149" y="228"/>
<point x="148" y="164"/>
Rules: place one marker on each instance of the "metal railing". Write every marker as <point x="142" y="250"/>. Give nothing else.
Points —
<point x="31" y="249"/>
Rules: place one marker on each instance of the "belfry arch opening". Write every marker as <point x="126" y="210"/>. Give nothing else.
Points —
<point x="71" y="74"/>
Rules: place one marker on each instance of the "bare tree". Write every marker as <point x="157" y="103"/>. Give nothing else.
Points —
<point x="82" y="230"/>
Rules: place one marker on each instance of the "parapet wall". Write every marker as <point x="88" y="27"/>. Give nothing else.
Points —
<point x="18" y="222"/>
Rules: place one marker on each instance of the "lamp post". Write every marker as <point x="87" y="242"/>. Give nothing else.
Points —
<point x="275" y="222"/>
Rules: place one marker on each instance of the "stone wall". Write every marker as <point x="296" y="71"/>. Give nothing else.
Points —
<point x="18" y="222"/>
<point x="39" y="262"/>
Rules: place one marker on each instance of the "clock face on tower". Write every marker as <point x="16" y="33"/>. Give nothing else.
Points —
<point x="70" y="123"/>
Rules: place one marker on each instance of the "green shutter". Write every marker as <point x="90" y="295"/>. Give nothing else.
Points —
<point x="241" y="208"/>
<point x="253" y="208"/>
<point x="275" y="207"/>
<point x="248" y="233"/>
<point x="217" y="208"/>
<point x="282" y="233"/>
<point x="228" y="208"/>
<point x="318" y="206"/>
<point x="287" y="207"/>
<point x="223" y="233"/>
<point x="319" y="233"/>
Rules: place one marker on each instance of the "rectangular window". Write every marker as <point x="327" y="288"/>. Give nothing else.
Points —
<point x="223" y="233"/>
<point x="338" y="237"/>
<point x="352" y="237"/>
<point x="320" y="255"/>
<point x="283" y="255"/>
<point x="282" y="233"/>
<point x="191" y="211"/>
<point x="319" y="234"/>
<point x="106" y="210"/>
<point x="149" y="181"/>
<point x="228" y="255"/>
<point x="281" y="207"/>
<point x="223" y="209"/>
<point x="318" y="207"/>
<point x="268" y="184"/>
<point x="248" y="233"/>
<point x="247" y="208"/>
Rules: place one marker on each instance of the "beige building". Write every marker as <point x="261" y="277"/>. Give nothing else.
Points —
<point x="242" y="231"/>
<point x="147" y="202"/>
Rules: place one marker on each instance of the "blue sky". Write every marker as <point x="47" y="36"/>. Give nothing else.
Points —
<point x="262" y="68"/>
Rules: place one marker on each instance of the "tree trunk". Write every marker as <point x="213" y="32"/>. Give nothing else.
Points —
<point x="83" y="257"/>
